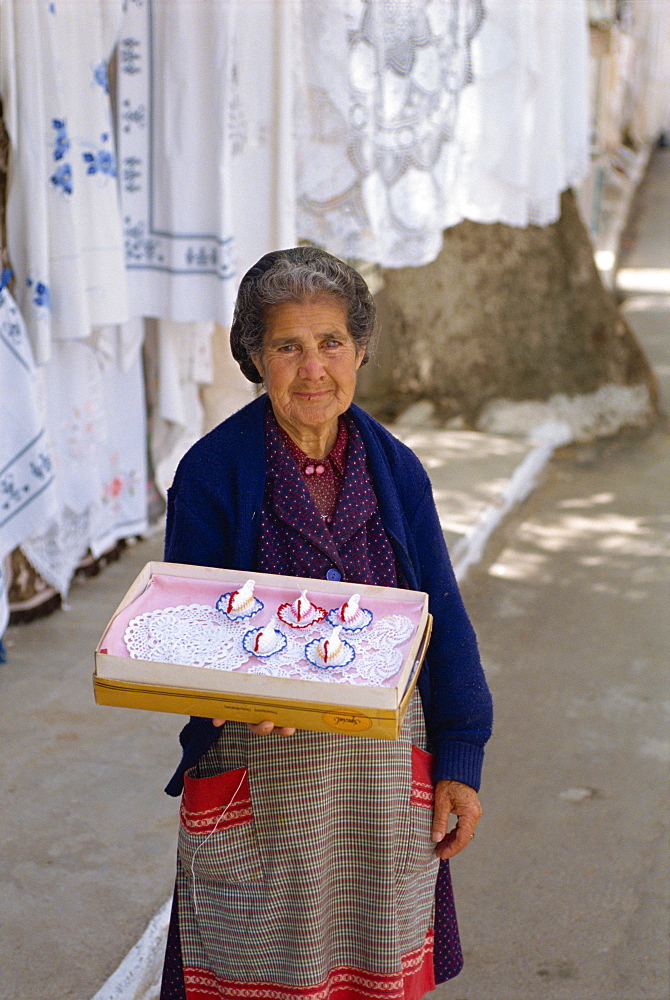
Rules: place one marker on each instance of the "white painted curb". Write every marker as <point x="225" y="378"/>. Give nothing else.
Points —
<point x="139" y="975"/>
<point x="468" y="551"/>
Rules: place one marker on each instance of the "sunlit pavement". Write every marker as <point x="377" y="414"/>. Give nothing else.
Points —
<point x="563" y="893"/>
<point x="560" y="894"/>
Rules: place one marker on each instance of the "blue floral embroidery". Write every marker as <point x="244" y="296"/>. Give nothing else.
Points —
<point x="42" y="296"/>
<point x="62" y="175"/>
<point x="41" y="467"/>
<point x="27" y="475"/>
<point x="129" y="55"/>
<point x="10" y="332"/>
<point x="102" y="161"/>
<point x="62" y="143"/>
<point x="100" y="76"/>
<point x="62" y="178"/>
<point x="10" y="493"/>
<point x="5" y="278"/>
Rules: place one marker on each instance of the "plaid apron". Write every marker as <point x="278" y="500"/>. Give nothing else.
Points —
<point x="306" y="867"/>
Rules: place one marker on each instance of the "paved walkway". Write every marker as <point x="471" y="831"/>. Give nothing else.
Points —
<point x="559" y="894"/>
<point x="563" y="895"/>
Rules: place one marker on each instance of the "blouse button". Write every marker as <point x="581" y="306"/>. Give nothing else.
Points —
<point x="319" y="470"/>
<point x="309" y="470"/>
<point x="333" y="574"/>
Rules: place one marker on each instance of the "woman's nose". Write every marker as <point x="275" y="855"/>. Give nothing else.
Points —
<point x="311" y="365"/>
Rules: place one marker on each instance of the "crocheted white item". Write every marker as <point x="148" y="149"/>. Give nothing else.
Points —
<point x="265" y="641"/>
<point x="350" y="616"/>
<point x="194" y="634"/>
<point x="240" y="603"/>
<point x="198" y="635"/>
<point x="330" y="651"/>
<point x="301" y="613"/>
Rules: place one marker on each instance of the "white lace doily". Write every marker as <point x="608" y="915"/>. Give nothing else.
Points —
<point x="198" y="635"/>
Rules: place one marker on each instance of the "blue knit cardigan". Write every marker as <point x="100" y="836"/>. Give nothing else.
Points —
<point x="213" y="518"/>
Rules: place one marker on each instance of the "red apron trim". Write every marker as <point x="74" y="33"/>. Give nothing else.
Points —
<point x="415" y="979"/>
<point x="422" y="778"/>
<point x="220" y="802"/>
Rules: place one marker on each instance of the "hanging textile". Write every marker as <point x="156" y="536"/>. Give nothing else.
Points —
<point x="29" y="596"/>
<point x="96" y="413"/>
<point x="205" y="149"/>
<point x="27" y="492"/>
<point x="229" y="390"/>
<point x="63" y="223"/>
<point x="523" y="128"/>
<point x="647" y="114"/>
<point x="178" y="362"/>
<point x="381" y="84"/>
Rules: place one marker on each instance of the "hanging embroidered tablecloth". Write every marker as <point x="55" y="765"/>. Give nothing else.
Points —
<point x="27" y="495"/>
<point x="95" y="409"/>
<point x="63" y="223"/>
<point x="205" y="149"/>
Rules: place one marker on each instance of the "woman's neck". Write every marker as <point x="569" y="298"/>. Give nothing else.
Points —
<point x="315" y="442"/>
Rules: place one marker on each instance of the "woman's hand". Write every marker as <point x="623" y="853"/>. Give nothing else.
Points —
<point x="263" y="728"/>
<point x="463" y="802"/>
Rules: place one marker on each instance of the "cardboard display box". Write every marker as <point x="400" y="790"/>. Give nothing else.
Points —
<point x="218" y="693"/>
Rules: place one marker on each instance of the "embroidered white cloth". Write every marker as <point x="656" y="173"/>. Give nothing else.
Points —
<point x="96" y="413"/>
<point x="204" y="100"/>
<point x="63" y="223"/>
<point x="27" y="494"/>
<point x="523" y="126"/>
<point x="647" y="87"/>
<point x="178" y="362"/>
<point x="379" y="98"/>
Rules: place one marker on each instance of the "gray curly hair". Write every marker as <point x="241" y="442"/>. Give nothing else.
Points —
<point x="292" y="276"/>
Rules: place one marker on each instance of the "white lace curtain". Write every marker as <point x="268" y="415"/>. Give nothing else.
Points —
<point x="244" y="125"/>
<point x="377" y="118"/>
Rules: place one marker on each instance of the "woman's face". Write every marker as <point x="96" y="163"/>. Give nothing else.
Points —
<point x="308" y="363"/>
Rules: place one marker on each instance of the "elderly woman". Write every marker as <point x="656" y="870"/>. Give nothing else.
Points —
<point x="333" y="881"/>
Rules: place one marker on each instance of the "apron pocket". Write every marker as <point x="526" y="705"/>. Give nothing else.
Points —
<point x="217" y="837"/>
<point x="421" y="851"/>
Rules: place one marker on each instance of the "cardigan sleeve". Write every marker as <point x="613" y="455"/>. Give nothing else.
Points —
<point x="191" y="538"/>
<point x="457" y="701"/>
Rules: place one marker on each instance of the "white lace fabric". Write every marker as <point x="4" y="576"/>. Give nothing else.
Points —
<point x="198" y="635"/>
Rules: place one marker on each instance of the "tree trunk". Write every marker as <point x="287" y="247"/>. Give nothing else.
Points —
<point x="503" y="313"/>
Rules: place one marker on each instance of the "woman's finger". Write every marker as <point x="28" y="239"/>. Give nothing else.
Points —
<point x="263" y="728"/>
<point x="463" y="801"/>
<point x="267" y="727"/>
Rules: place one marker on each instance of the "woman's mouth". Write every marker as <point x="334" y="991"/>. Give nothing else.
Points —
<point x="315" y="395"/>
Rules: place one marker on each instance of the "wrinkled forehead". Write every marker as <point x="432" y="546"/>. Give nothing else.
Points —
<point x="314" y="315"/>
